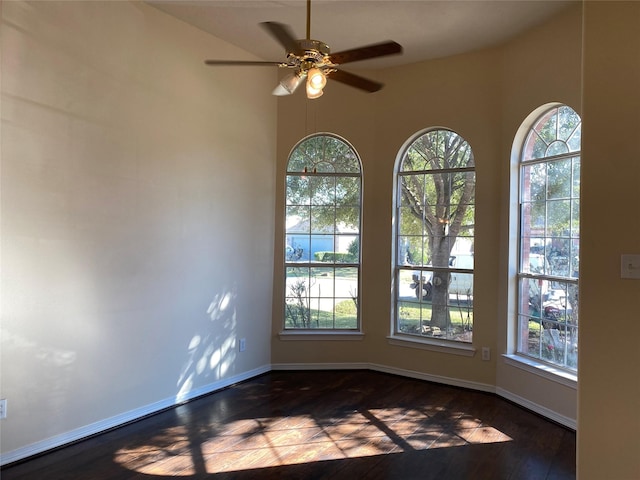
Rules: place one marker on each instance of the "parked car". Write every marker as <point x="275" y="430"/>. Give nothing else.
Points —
<point x="459" y="283"/>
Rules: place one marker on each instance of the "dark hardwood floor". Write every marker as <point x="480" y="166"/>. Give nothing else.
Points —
<point x="324" y="425"/>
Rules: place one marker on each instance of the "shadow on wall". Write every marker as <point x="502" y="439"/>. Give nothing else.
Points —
<point x="211" y="351"/>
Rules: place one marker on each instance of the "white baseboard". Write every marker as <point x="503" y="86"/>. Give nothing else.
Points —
<point x="539" y="409"/>
<point x="455" y="382"/>
<point x="321" y="366"/>
<point x="123" y="418"/>
<point x="385" y="369"/>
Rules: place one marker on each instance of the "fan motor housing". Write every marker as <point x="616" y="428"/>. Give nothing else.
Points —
<point x="314" y="46"/>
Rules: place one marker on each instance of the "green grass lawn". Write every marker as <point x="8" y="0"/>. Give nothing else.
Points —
<point x="411" y="315"/>
<point x="344" y="317"/>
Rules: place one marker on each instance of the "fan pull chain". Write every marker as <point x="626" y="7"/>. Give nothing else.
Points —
<point x="311" y="117"/>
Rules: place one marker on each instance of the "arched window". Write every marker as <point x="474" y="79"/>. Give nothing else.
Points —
<point x="435" y="195"/>
<point x="322" y="242"/>
<point x="549" y="238"/>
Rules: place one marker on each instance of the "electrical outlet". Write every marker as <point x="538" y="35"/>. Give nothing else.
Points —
<point x="486" y="354"/>
<point x="630" y="266"/>
<point x="3" y="408"/>
<point x="242" y="346"/>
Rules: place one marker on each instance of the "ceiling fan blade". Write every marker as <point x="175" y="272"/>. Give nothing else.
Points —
<point x="245" y="63"/>
<point x="364" y="53"/>
<point x="283" y="34"/>
<point x="355" y="81"/>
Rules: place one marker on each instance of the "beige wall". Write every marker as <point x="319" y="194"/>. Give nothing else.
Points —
<point x="137" y="212"/>
<point x="609" y="389"/>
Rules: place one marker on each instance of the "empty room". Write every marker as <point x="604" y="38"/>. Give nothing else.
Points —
<point x="320" y="239"/>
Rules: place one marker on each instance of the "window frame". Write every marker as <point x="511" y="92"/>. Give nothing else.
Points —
<point x="410" y="339"/>
<point x="289" y="332"/>
<point x="519" y="272"/>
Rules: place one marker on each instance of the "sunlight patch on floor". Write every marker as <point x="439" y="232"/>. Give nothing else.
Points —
<point x="277" y="441"/>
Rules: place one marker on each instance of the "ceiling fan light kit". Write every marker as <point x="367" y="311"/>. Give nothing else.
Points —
<point x="312" y="59"/>
<point x="289" y="84"/>
<point x="316" y="78"/>
<point x="313" y="92"/>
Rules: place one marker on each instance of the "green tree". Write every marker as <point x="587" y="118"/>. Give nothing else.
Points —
<point x="437" y="188"/>
<point x="354" y="249"/>
<point x="323" y="182"/>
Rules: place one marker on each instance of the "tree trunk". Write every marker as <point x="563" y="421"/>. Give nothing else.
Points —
<point x="439" y="300"/>
<point x="440" y="284"/>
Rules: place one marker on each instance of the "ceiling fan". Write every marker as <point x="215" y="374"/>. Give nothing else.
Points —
<point x="312" y="60"/>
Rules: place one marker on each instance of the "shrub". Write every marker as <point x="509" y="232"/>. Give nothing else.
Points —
<point x="333" y="257"/>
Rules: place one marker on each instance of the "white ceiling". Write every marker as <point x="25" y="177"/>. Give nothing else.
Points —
<point x="426" y="29"/>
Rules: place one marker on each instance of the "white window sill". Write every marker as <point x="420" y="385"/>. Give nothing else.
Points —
<point x="316" y="335"/>
<point x="542" y="369"/>
<point x="453" y="348"/>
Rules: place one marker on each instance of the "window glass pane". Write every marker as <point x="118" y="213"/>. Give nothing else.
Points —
<point x="546" y="127"/>
<point x="298" y="191"/>
<point x="323" y="153"/>
<point x="575" y="258"/>
<point x="568" y="122"/>
<point x="575" y="140"/>
<point x="534" y="216"/>
<point x="347" y="192"/>
<point x="559" y="174"/>
<point x="406" y="285"/>
<point x="461" y="314"/>
<point x="575" y="218"/>
<point x="347" y="219"/>
<point x="323" y="219"/>
<point x="410" y="250"/>
<point x="558" y="217"/>
<point x="297" y="220"/>
<point x="415" y="160"/>
<point x="468" y="221"/>
<point x="297" y="162"/>
<point x="345" y="311"/>
<point x="534" y="182"/>
<point x="535" y="147"/>
<point x="347" y="162"/>
<point x="530" y="332"/>
<point x="575" y="192"/>
<point x="323" y="190"/>
<point x="348" y="248"/>
<point x="322" y="282"/>
<point x="408" y="222"/>
<point x="297" y="248"/>
<point x="572" y="347"/>
<point x="413" y="192"/>
<point x="410" y="317"/>
<point x="558" y="256"/>
<point x="533" y="260"/>
<point x="322" y="248"/>
<point x="437" y="250"/>
<point x="556" y="148"/>
<point x="297" y="311"/>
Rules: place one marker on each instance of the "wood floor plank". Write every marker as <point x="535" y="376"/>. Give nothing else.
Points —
<point x="323" y="424"/>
